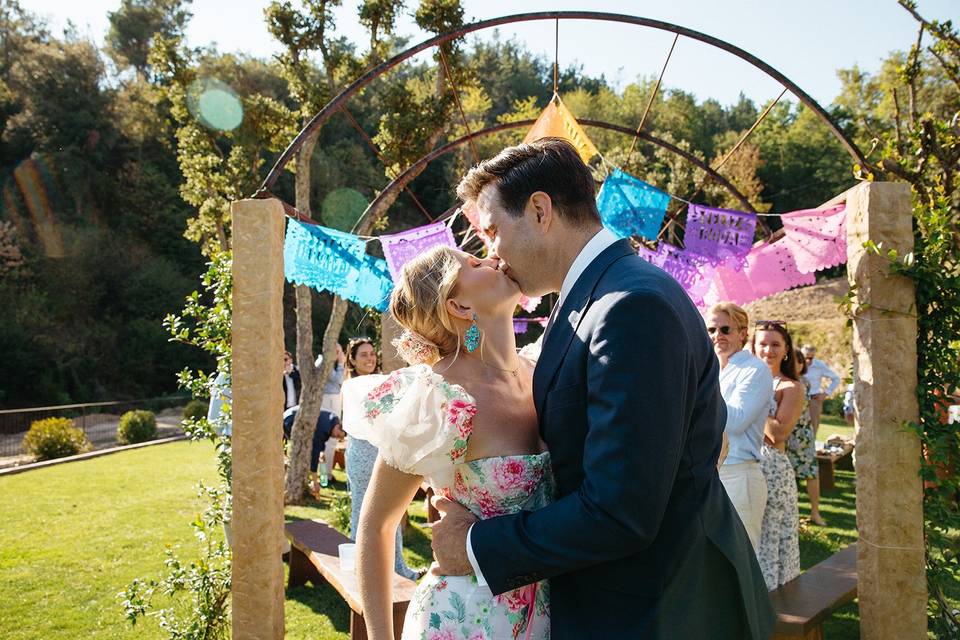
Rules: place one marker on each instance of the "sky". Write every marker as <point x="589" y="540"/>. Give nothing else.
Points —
<point x="806" y="40"/>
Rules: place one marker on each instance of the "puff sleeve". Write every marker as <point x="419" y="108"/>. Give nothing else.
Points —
<point x="419" y="422"/>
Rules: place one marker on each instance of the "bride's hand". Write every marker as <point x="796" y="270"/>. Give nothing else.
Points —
<point x="450" y="538"/>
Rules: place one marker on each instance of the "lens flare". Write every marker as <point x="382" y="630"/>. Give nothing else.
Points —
<point x="214" y="104"/>
<point x="342" y="208"/>
<point x="33" y="180"/>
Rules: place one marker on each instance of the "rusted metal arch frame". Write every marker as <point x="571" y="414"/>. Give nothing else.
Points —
<point x="459" y="142"/>
<point x="334" y="105"/>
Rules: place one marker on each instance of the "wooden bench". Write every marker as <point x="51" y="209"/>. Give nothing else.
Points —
<point x="314" y="557"/>
<point x="806" y="601"/>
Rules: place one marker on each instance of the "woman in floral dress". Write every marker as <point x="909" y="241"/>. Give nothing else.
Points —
<point x="802" y="449"/>
<point x="461" y="416"/>
<point x="779" y="548"/>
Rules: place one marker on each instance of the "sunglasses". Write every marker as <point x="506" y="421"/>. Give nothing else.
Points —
<point x="779" y="323"/>
<point x="725" y="330"/>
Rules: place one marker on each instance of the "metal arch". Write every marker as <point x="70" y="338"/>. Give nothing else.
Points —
<point x="331" y="107"/>
<point x="459" y="142"/>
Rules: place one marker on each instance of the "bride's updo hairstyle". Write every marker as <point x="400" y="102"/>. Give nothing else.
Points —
<point x="419" y="304"/>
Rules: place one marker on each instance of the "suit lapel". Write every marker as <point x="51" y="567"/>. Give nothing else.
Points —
<point x="564" y="326"/>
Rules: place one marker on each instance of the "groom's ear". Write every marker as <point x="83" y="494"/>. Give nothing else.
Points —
<point x="542" y="207"/>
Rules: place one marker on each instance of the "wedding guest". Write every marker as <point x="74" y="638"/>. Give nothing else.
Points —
<point x="328" y="428"/>
<point x="361" y="362"/>
<point x="291" y="393"/>
<point x="817" y="370"/>
<point x="848" y="404"/>
<point x="779" y="553"/>
<point x="332" y="403"/>
<point x="221" y="397"/>
<point x="746" y="387"/>
<point x="802" y="448"/>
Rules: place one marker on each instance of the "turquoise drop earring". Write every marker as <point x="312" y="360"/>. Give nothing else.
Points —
<point x="472" y="338"/>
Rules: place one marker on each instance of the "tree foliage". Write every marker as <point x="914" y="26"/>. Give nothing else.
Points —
<point x="913" y="109"/>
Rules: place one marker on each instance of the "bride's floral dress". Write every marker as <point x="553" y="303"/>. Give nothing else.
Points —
<point x="422" y="425"/>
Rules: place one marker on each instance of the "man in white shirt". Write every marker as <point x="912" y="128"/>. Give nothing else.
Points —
<point x="817" y="370"/>
<point x="747" y="389"/>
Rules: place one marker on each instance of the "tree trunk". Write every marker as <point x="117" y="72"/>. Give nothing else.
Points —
<point x="312" y="381"/>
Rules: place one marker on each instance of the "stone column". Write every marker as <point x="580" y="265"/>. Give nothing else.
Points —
<point x="890" y="562"/>
<point x="258" y="594"/>
<point x="390" y="330"/>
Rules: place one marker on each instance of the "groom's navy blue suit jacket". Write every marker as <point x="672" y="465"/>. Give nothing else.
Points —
<point x="642" y="541"/>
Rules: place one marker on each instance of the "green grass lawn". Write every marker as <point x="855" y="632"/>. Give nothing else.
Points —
<point x="74" y="535"/>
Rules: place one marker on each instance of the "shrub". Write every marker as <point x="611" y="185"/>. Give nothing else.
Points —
<point x="195" y="410"/>
<point x="55" y="438"/>
<point x="136" y="426"/>
<point x="833" y="406"/>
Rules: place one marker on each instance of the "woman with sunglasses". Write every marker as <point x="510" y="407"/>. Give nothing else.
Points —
<point x="746" y="386"/>
<point x="779" y="553"/>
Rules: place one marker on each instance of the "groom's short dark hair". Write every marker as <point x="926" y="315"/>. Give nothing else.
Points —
<point x="551" y="165"/>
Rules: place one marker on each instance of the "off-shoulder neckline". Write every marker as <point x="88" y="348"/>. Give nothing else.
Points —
<point x="452" y="385"/>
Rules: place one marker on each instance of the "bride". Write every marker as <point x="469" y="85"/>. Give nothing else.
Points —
<point x="461" y="416"/>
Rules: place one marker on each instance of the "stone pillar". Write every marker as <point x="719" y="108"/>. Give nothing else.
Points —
<point x="258" y="594"/>
<point x="390" y="330"/>
<point x="890" y="562"/>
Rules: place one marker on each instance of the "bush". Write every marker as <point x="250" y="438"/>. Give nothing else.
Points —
<point x="55" y="438"/>
<point x="833" y="406"/>
<point x="195" y="410"/>
<point x="136" y="426"/>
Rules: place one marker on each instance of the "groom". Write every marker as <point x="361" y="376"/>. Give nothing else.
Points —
<point x="642" y="541"/>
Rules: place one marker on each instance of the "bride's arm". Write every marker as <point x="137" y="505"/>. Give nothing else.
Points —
<point x="386" y="499"/>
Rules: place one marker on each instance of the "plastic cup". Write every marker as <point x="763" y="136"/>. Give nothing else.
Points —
<point x="348" y="556"/>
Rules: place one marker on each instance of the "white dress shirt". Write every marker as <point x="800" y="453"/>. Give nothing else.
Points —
<point x="815" y="374"/>
<point x="594" y="247"/>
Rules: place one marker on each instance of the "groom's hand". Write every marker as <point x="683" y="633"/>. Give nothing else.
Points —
<point x="450" y="538"/>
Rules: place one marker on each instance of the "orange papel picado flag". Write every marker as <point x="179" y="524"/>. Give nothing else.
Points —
<point x="557" y="121"/>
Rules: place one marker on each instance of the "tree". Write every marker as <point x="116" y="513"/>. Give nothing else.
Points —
<point x="135" y="26"/>
<point x="302" y="33"/>
<point x="912" y="111"/>
<point x="412" y="110"/>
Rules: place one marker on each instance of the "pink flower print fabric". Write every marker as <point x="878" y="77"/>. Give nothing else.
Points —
<point x="456" y="606"/>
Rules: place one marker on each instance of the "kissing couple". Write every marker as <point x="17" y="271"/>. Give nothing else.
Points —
<point x="578" y="483"/>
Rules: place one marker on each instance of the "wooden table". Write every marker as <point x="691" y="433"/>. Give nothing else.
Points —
<point x="826" y="462"/>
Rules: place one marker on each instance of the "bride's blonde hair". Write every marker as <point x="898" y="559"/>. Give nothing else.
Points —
<point x="419" y="304"/>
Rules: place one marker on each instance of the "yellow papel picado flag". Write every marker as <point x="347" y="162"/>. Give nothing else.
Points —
<point x="557" y="121"/>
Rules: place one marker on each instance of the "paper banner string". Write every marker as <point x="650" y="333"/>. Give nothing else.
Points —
<point x="399" y="248"/>
<point x="373" y="285"/>
<point x="331" y="260"/>
<point x="520" y="325"/>
<point x="557" y="121"/>
<point x="653" y="257"/>
<point x="771" y="268"/>
<point x="629" y="206"/>
<point x="719" y="234"/>
<point x="324" y="258"/>
<point x="817" y="237"/>
<point x="692" y="271"/>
